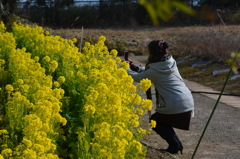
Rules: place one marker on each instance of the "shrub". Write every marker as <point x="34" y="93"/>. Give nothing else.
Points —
<point x="59" y="103"/>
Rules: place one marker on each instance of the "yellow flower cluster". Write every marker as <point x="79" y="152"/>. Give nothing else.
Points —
<point x="145" y="84"/>
<point x="2" y="27"/>
<point x="7" y="153"/>
<point x="153" y="124"/>
<point x="113" y="109"/>
<point x="50" y="79"/>
<point x="32" y="106"/>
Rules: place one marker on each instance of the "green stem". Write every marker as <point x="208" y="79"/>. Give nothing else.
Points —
<point x="81" y="41"/>
<point x="230" y="72"/>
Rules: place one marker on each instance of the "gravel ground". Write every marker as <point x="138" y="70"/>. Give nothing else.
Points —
<point x="220" y="141"/>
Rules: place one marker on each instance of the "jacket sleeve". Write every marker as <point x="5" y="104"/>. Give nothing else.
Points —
<point x="137" y="77"/>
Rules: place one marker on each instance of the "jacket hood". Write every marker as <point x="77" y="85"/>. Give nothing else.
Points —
<point x="167" y="66"/>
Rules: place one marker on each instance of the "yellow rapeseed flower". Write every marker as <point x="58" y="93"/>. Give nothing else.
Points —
<point x="45" y="127"/>
<point x="2" y="62"/>
<point x="89" y="109"/>
<point x="114" y="53"/>
<point x="82" y="134"/>
<point x="36" y="58"/>
<point x="136" y="146"/>
<point x="147" y="104"/>
<point x="125" y="65"/>
<point x="118" y="60"/>
<point x="47" y="32"/>
<point x="103" y="153"/>
<point x="25" y="87"/>
<point x="9" y="88"/>
<point x="145" y="84"/>
<point x="52" y="156"/>
<point x="38" y="148"/>
<point x="140" y="111"/>
<point x="2" y="27"/>
<point x="53" y="65"/>
<point x="27" y="142"/>
<point x="102" y="38"/>
<point x="137" y="99"/>
<point x="118" y="130"/>
<point x="3" y="131"/>
<point x="116" y="143"/>
<point x="74" y="40"/>
<point x="102" y="132"/>
<point x="29" y="154"/>
<point x="46" y="59"/>
<point x="7" y="153"/>
<point x="142" y="131"/>
<point x="61" y="79"/>
<point x="20" y="81"/>
<point x="128" y="135"/>
<point x="153" y="124"/>
<point x="56" y="84"/>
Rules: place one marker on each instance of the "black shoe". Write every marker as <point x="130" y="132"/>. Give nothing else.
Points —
<point x="181" y="147"/>
<point x="173" y="148"/>
<point x="180" y="144"/>
<point x="170" y="151"/>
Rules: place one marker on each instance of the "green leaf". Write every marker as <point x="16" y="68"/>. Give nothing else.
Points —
<point x="152" y="13"/>
<point x="163" y="9"/>
<point x="229" y="61"/>
<point x="233" y="65"/>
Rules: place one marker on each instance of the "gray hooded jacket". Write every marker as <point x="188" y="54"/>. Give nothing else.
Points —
<point x="173" y="93"/>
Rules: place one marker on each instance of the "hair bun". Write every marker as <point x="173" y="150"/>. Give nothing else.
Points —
<point x="162" y="46"/>
<point x="158" y="47"/>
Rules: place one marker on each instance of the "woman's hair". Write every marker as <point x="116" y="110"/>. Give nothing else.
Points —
<point x="157" y="50"/>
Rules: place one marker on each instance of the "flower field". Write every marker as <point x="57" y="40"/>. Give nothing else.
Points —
<point x="57" y="102"/>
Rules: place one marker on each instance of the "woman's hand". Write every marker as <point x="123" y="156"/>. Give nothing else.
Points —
<point x="128" y="61"/>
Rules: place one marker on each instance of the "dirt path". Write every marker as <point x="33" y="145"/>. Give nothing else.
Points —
<point x="221" y="139"/>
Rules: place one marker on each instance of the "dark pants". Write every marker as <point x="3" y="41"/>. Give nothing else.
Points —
<point x="168" y="134"/>
<point x="165" y="125"/>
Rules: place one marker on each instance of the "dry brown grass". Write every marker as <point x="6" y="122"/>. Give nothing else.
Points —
<point x="211" y="42"/>
<point x="201" y="43"/>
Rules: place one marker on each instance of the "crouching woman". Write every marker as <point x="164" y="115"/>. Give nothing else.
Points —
<point x="175" y="99"/>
